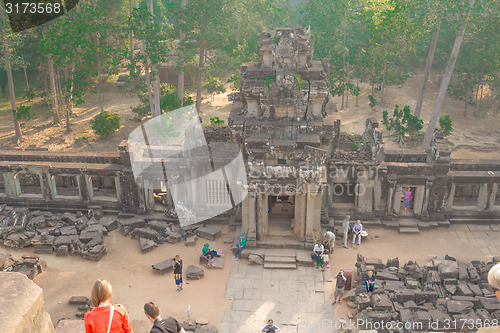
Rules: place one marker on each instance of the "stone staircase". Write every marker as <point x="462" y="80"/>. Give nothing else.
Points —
<point x="286" y="258"/>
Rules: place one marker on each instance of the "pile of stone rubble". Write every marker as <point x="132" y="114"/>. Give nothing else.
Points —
<point x="31" y="266"/>
<point x="441" y="294"/>
<point x="63" y="234"/>
<point x="83" y="234"/>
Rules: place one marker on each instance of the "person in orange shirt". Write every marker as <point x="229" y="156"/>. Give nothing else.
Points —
<point x="106" y="317"/>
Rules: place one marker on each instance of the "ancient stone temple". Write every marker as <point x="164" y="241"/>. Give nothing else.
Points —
<point x="286" y="132"/>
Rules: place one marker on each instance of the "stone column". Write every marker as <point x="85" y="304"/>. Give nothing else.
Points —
<point x="392" y="185"/>
<point x="297" y="214"/>
<point x="451" y="196"/>
<point x="425" y="202"/>
<point x="84" y="187"/>
<point x="265" y="214"/>
<point x="11" y="183"/>
<point x="309" y="235"/>
<point x="494" y="194"/>
<point x="302" y="216"/>
<point x="397" y="199"/>
<point x="317" y="216"/>
<point x="418" y="201"/>
<point x="244" y="215"/>
<point x="482" y="198"/>
<point x="252" y="221"/>
<point x="259" y="213"/>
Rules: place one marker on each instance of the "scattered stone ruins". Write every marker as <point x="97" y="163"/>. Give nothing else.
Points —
<point x="441" y="295"/>
<point x="302" y="171"/>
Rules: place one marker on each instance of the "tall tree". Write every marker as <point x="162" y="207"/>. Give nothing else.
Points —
<point x="5" y="32"/>
<point x="446" y="80"/>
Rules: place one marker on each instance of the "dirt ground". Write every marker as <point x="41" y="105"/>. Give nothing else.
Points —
<point x="472" y="137"/>
<point x="134" y="282"/>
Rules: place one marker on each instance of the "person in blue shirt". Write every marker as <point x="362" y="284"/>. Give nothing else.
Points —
<point x="369" y="282"/>
<point x="356" y="231"/>
<point x="270" y="328"/>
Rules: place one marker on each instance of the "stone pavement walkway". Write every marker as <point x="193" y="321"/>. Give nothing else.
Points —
<point x="295" y="299"/>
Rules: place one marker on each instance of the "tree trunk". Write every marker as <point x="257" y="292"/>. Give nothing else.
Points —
<point x="156" y="78"/>
<point x="342" y="107"/>
<point x="180" y="77"/>
<point x="444" y="86"/>
<point x="357" y="85"/>
<point x="156" y="92"/>
<point x="466" y="103"/>
<point x="480" y="98"/>
<point x="428" y="65"/>
<point x="10" y="81"/>
<point x="68" y="100"/>
<point x="347" y="98"/>
<point x="28" y="95"/>
<point x="150" y="96"/>
<point x="131" y="39"/>
<point x="475" y="99"/>
<point x="382" y="90"/>
<point x="53" y="91"/>
<point x="201" y="62"/>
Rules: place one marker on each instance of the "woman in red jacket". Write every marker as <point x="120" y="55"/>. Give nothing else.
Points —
<point x="106" y="317"/>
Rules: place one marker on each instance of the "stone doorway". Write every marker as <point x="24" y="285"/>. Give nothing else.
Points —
<point x="415" y="208"/>
<point x="281" y="209"/>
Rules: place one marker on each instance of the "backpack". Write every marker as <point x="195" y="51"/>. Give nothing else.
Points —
<point x="160" y="327"/>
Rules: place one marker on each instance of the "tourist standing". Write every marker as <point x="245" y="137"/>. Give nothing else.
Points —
<point x="369" y="281"/>
<point x="325" y="260"/>
<point x="318" y="250"/>
<point x="167" y="325"/>
<point x="106" y="317"/>
<point x="270" y="328"/>
<point x="339" y="287"/>
<point x="329" y="241"/>
<point x="356" y="231"/>
<point x="407" y="199"/>
<point x="242" y="243"/>
<point x="178" y="272"/>
<point x="345" y="229"/>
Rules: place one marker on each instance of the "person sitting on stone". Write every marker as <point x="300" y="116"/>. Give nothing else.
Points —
<point x="242" y="243"/>
<point x="106" y="317"/>
<point x="356" y="231"/>
<point x="318" y="251"/>
<point x="167" y="325"/>
<point x="369" y="281"/>
<point x="329" y="241"/>
<point x="270" y="328"/>
<point x="209" y="253"/>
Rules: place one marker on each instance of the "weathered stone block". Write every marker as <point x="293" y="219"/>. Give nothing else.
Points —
<point x="448" y="269"/>
<point x="387" y="276"/>
<point x="381" y="302"/>
<point x="95" y="254"/>
<point x="164" y="266"/>
<point x="375" y="262"/>
<point x="463" y="290"/>
<point x="458" y="307"/>
<point x="190" y="241"/>
<point x="404" y="295"/>
<point x="79" y="300"/>
<point x="363" y="301"/>
<point x="110" y="223"/>
<point x="463" y="274"/>
<point x="95" y="241"/>
<point x="127" y="225"/>
<point x="174" y="237"/>
<point x="194" y="272"/>
<point x="208" y="233"/>
<point x="146" y="233"/>
<point x="147" y="244"/>
<point x="62" y="251"/>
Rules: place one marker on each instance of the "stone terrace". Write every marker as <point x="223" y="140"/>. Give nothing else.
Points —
<point x="289" y="297"/>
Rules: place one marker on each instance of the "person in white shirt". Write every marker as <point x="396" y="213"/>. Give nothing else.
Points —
<point x="318" y="250"/>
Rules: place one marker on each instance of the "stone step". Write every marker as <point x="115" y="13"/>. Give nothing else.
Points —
<point x="283" y="260"/>
<point x="408" y="230"/>
<point x="279" y="266"/>
<point x="408" y="223"/>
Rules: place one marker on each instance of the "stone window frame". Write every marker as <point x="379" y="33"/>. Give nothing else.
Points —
<point x="483" y="187"/>
<point x="3" y="191"/>
<point x="53" y="187"/>
<point x="217" y="188"/>
<point x="93" y="197"/>
<point x="19" y="191"/>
